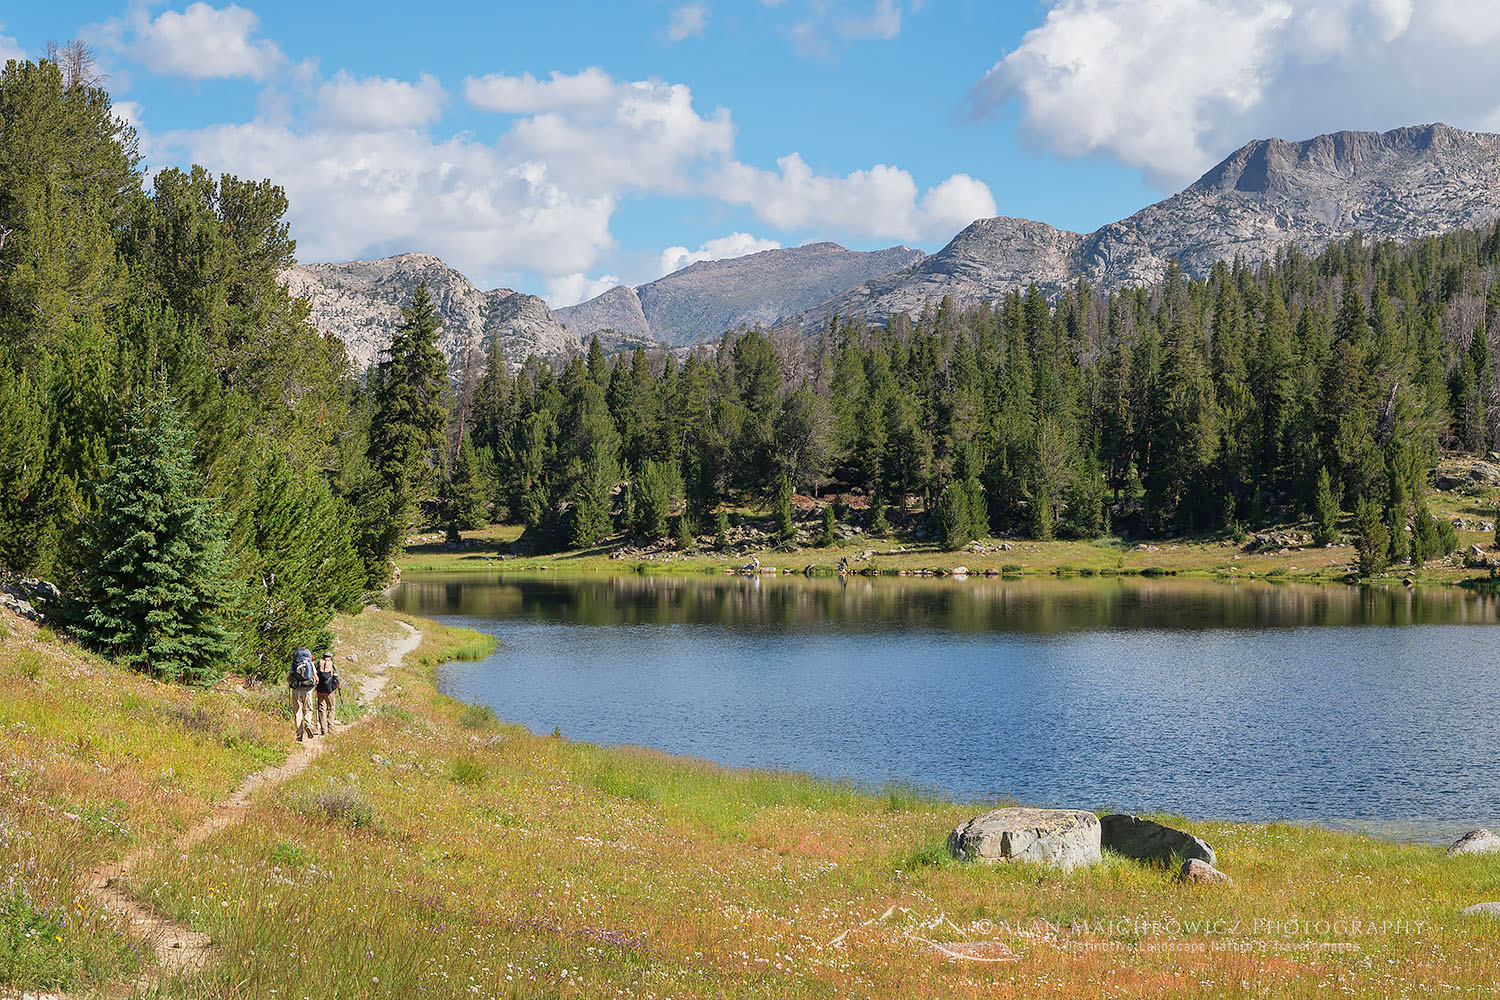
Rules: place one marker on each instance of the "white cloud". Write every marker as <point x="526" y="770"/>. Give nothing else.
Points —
<point x="601" y="134"/>
<point x="1172" y="86"/>
<point x="373" y="193"/>
<point x="722" y="248"/>
<point x="686" y="21"/>
<point x="883" y="21"/>
<point x="880" y="203"/>
<point x="525" y="94"/>
<point x="571" y="289"/>
<point x="375" y="103"/>
<point x="366" y="175"/>
<point x="199" y="41"/>
<point x="10" y="49"/>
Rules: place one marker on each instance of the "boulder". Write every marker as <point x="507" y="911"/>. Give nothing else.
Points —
<point x="960" y="571"/>
<point x="1062" y="838"/>
<point x="1482" y="910"/>
<point x="20" y="606"/>
<point x="1196" y="872"/>
<point x="1479" y="841"/>
<point x="1145" y="840"/>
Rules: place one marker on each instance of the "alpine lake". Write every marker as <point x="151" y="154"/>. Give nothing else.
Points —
<point x="1369" y="708"/>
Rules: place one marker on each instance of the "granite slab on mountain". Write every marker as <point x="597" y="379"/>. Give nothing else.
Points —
<point x="701" y="301"/>
<point x="1270" y="193"/>
<point x="1062" y="838"/>
<point x="1147" y="840"/>
<point x="360" y="302"/>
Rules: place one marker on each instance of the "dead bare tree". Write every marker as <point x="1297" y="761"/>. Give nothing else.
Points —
<point x="77" y="61"/>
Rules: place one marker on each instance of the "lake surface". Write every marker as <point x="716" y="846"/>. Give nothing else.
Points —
<point x="1375" y="708"/>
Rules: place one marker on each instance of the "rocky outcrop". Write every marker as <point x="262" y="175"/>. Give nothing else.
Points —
<point x="703" y="300"/>
<point x="618" y="310"/>
<point x="1146" y="840"/>
<point x="1062" y="838"/>
<point x="1482" y="910"/>
<point x="1402" y="184"/>
<point x="1197" y="872"/>
<point x="360" y="302"/>
<point x="1479" y="841"/>
<point x="27" y="596"/>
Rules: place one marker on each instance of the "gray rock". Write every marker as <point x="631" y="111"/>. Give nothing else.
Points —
<point x="1482" y="910"/>
<point x="1402" y="184"/>
<point x="1145" y="840"/>
<point x="360" y="303"/>
<point x="1196" y="872"/>
<point x="1062" y="838"/>
<point x="1479" y="841"/>
<point x="20" y="606"/>
<point x="704" y="299"/>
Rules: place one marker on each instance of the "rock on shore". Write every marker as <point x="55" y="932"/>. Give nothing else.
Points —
<point x="1062" y="838"/>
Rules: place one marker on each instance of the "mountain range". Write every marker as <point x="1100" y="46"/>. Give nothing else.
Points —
<point x="1402" y="184"/>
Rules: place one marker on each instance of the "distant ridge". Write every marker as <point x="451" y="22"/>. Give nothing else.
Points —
<point x="711" y="296"/>
<point x="360" y="302"/>
<point x="1401" y="184"/>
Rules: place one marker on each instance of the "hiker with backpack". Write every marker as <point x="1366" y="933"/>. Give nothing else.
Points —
<point x="302" y="679"/>
<point x="328" y="683"/>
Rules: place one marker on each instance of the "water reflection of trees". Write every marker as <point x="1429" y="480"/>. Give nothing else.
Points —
<point x="1036" y="606"/>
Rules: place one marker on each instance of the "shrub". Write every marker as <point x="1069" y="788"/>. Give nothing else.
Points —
<point x="478" y="717"/>
<point x="469" y="773"/>
<point x="340" y="805"/>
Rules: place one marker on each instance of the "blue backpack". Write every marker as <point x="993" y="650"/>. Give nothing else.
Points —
<point x="303" y="674"/>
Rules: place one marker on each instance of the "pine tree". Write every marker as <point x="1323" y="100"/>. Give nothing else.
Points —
<point x="786" y="527"/>
<point x="406" y="431"/>
<point x="463" y="507"/>
<point x="954" y="522"/>
<point x="721" y="530"/>
<point x="25" y="486"/>
<point x="1371" y="538"/>
<point x="686" y="533"/>
<point x="1326" y="511"/>
<point x="830" y="525"/>
<point x="654" y="490"/>
<point x="156" y="590"/>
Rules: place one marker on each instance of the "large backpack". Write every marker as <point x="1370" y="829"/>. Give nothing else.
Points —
<point x="303" y="674"/>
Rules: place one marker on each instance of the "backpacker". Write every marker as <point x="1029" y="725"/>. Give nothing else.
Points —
<point x="303" y="674"/>
<point x="328" y="680"/>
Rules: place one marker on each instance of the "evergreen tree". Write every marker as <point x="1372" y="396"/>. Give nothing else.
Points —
<point x="156" y="590"/>
<point x="462" y="499"/>
<point x="954" y="522"/>
<point x="685" y="534"/>
<point x="1326" y="511"/>
<point x="786" y="527"/>
<point x="407" y="429"/>
<point x="655" y="490"/>
<point x="830" y="525"/>
<point x="721" y="530"/>
<point x="1371" y="538"/>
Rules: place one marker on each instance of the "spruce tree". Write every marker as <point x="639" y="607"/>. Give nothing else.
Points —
<point x="1371" y="538"/>
<point x="463" y="507"/>
<point x="654" y="491"/>
<point x="954" y="522"/>
<point x="156" y="588"/>
<point x="721" y="530"/>
<point x="786" y="527"/>
<point x="1326" y="511"/>
<point x="406" y="430"/>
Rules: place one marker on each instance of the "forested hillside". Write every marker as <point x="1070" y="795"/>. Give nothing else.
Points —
<point x="1288" y="389"/>
<point x="180" y="450"/>
<point x="208" y="480"/>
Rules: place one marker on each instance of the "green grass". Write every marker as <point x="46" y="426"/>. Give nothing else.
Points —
<point x="442" y="852"/>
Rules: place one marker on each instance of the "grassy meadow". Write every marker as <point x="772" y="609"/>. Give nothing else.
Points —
<point x="436" y="851"/>
<point x="1216" y="556"/>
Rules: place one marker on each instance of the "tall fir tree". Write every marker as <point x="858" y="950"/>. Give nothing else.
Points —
<point x="156" y="592"/>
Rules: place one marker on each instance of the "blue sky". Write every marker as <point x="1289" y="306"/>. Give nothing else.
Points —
<point x="563" y="147"/>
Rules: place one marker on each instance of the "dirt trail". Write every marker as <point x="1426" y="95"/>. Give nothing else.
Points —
<point x="179" y="948"/>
